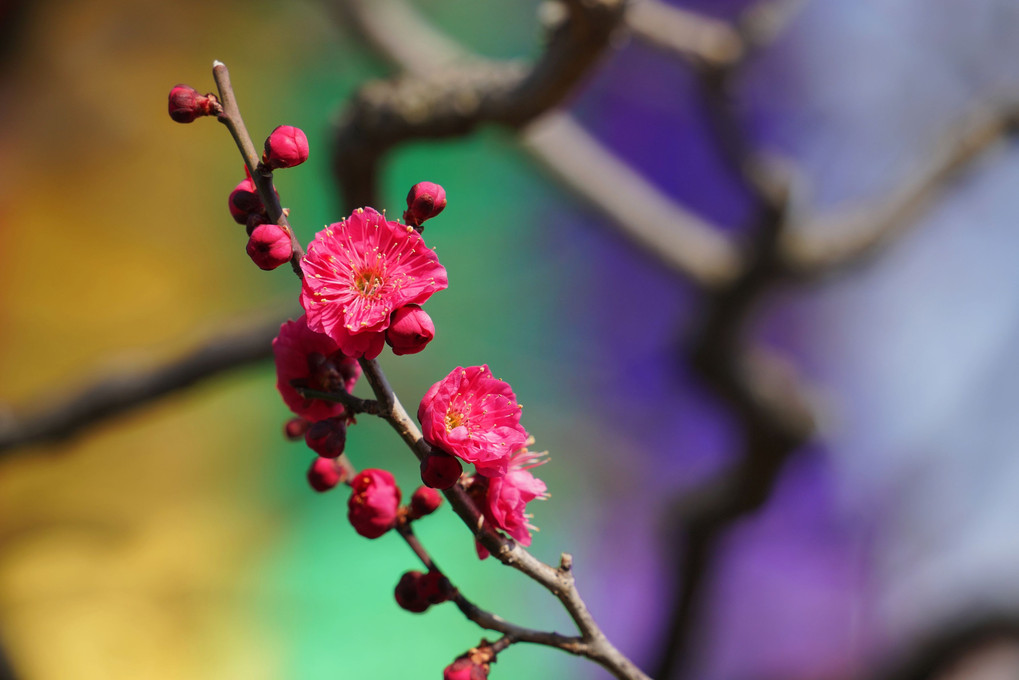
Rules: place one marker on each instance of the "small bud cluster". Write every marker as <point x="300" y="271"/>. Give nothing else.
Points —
<point x="418" y="591"/>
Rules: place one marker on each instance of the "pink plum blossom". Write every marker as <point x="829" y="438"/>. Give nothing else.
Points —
<point x="475" y="417"/>
<point x="313" y="360"/>
<point x="503" y="500"/>
<point x="358" y="272"/>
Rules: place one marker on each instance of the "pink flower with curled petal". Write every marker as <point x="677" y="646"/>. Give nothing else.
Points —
<point x="358" y="271"/>
<point x="505" y="499"/>
<point x="475" y="417"/>
<point x="313" y="360"/>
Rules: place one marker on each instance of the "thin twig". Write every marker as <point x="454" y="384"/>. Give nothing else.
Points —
<point x="353" y="404"/>
<point x="483" y="618"/>
<point x="262" y="176"/>
<point x="122" y="391"/>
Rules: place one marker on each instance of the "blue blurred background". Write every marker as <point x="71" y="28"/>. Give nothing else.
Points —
<point x="182" y="540"/>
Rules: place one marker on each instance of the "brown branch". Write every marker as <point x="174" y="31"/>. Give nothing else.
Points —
<point x="451" y="101"/>
<point x="938" y="651"/>
<point x="486" y="619"/>
<point x="354" y="405"/>
<point x="592" y="643"/>
<point x="773" y="414"/>
<point x="261" y="174"/>
<point x="663" y="228"/>
<point x="827" y="244"/>
<point x="702" y="40"/>
<point x="126" y="390"/>
<point x="560" y="582"/>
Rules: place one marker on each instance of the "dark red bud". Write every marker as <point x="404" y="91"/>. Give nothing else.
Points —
<point x="440" y="470"/>
<point x="424" y="201"/>
<point x="416" y="591"/>
<point x="186" y="104"/>
<point x="425" y="501"/>
<point x="325" y="474"/>
<point x="295" y="428"/>
<point x="327" y="437"/>
<point x="408" y="593"/>
<point x="244" y="202"/>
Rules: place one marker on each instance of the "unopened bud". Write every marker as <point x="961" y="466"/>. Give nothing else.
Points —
<point x="424" y="501"/>
<point x="186" y="104"/>
<point x="410" y="329"/>
<point x="440" y="470"/>
<point x="269" y="246"/>
<point x="244" y="201"/>
<point x="374" y="503"/>
<point x="295" y="428"/>
<point x="286" y="147"/>
<point x="325" y="474"/>
<point x="416" y="591"/>
<point x="327" y="437"/>
<point x="425" y="200"/>
<point x="467" y="667"/>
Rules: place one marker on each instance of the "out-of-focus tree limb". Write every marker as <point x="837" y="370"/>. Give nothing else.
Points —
<point x="120" y="391"/>
<point x="679" y="239"/>
<point x="939" y="650"/>
<point x="664" y="229"/>
<point x="828" y="244"/>
<point x="454" y="100"/>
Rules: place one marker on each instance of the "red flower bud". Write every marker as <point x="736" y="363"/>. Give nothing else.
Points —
<point x="464" y="668"/>
<point x="286" y="147"/>
<point x="410" y="329"/>
<point x="440" y="470"/>
<point x="327" y="437"/>
<point x="244" y="202"/>
<point x="425" y="200"/>
<point x="295" y="428"/>
<point x="186" y="104"/>
<point x="269" y="246"/>
<point x="372" y="508"/>
<point x="425" y="501"/>
<point x="324" y="474"/>
<point x="408" y="594"/>
<point x="417" y="591"/>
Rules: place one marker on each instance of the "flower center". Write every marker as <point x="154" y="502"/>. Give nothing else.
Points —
<point x="454" y="419"/>
<point x="369" y="283"/>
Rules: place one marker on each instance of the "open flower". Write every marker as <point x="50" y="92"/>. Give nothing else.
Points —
<point x="505" y="498"/>
<point x="358" y="271"/>
<point x="475" y="417"/>
<point x="312" y="360"/>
